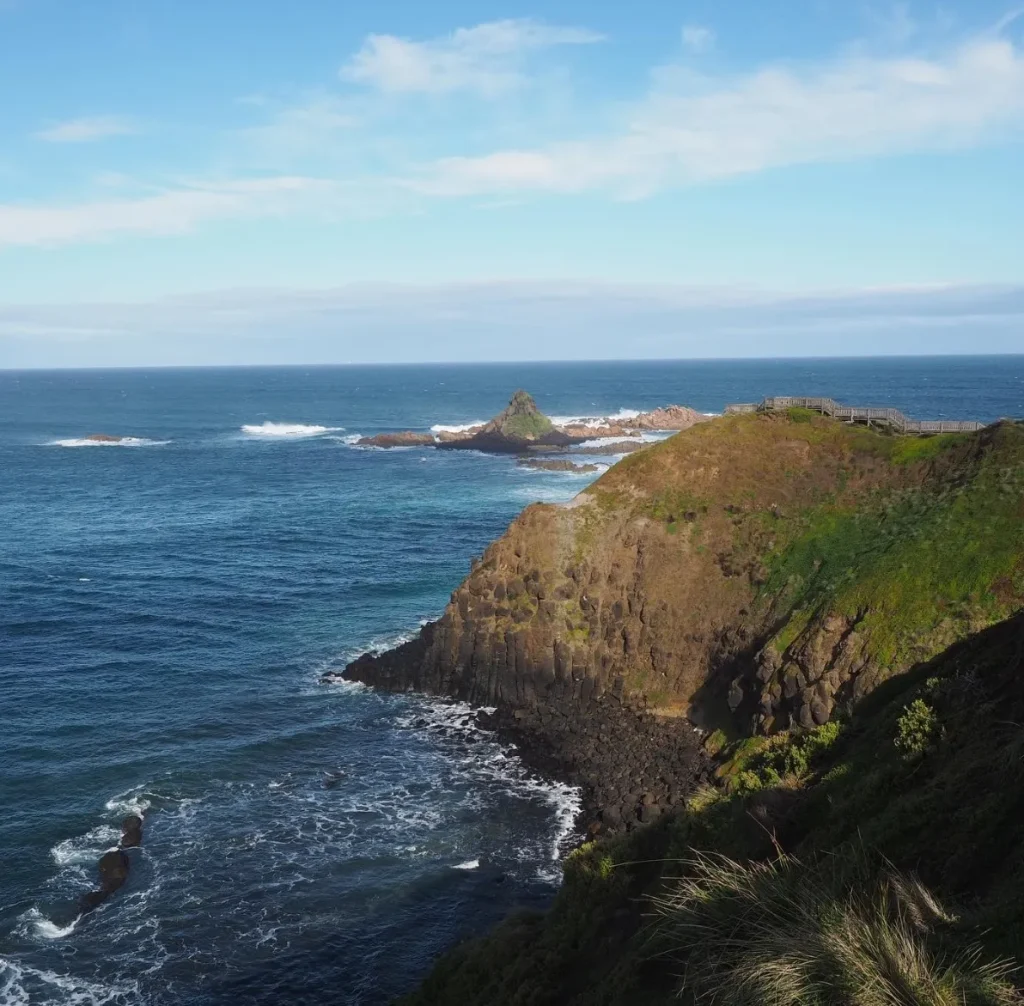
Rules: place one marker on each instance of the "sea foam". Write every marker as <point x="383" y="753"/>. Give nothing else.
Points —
<point x="269" y="429"/>
<point x="119" y="442"/>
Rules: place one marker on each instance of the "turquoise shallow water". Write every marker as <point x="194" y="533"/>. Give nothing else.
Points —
<point x="166" y="610"/>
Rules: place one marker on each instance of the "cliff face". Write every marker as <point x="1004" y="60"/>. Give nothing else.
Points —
<point x="754" y="571"/>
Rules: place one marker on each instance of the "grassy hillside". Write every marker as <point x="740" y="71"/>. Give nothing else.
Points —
<point x="876" y="860"/>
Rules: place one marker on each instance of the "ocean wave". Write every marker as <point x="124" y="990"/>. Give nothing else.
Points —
<point x="21" y="985"/>
<point x="295" y="430"/>
<point x="469" y="864"/>
<point x="116" y="442"/>
<point x="457" y="427"/>
<point x="131" y="801"/>
<point x="595" y="420"/>
<point x="85" y="848"/>
<point x="486" y="759"/>
<point x="34" y="923"/>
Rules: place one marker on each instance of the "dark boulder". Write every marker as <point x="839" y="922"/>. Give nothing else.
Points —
<point x="131" y="832"/>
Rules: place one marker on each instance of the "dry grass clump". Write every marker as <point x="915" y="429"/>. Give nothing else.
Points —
<point x="782" y="934"/>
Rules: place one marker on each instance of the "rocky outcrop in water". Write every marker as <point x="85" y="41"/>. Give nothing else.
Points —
<point x="403" y="438"/>
<point x="555" y="465"/>
<point x="621" y="447"/>
<point x="520" y="427"/>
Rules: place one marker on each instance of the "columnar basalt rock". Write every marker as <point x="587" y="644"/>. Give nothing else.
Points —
<point x="683" y="588"/>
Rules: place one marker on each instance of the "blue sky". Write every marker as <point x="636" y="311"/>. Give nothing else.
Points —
<point x="195" y="182"/>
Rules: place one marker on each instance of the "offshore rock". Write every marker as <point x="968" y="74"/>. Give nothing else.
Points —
<point x="555" y="465"/>
<point x="520" y="427"/>
<point x="404" y="438"/>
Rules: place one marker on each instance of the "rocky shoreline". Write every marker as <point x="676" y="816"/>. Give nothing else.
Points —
<point x="631" y="764"/>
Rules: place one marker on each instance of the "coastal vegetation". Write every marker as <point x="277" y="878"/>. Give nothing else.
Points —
<point x="880" y="861"/>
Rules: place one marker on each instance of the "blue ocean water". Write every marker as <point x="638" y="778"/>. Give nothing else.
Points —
<point x="166" y="611"/>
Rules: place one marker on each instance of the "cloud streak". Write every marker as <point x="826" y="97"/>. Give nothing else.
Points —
<point x="87" y="129"/>
<point x="486" y="59"/>
<point x="170" y="211"/>
<point x="544" y="320"/>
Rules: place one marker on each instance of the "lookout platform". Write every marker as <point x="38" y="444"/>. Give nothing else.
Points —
<point x="891" y="418"/>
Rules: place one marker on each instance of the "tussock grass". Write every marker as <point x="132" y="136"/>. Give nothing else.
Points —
<point x="782" y="933"/>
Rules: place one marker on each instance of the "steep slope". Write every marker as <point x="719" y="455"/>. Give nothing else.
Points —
<point x="753" y="572"/>
<point x="927" y="775"/>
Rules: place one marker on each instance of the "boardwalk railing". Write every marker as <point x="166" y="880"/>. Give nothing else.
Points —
<point x="855" y="414"/>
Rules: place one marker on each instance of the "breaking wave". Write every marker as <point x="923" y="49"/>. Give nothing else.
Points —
<point x="112" y="442"/>
<point x="269" y="429"/>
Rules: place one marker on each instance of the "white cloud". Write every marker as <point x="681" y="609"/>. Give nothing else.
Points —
<point x="170" y="211"/>
<point x="87" y="129"/>
<point x="542" y="320"/>
<point x="697" y="38"/>
<point x="692" y="128"/>
<point x="486" y="58"/>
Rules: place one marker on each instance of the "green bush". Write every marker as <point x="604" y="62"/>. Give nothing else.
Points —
<point x="917" y="729"/>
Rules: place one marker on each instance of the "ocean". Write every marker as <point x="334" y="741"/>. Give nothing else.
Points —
<point x="168" y="605"/>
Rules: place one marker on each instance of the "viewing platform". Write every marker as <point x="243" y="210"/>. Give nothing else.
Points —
<point x="892" y="418"/>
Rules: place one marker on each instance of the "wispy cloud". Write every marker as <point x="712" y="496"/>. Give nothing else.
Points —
<point x="487" y="58"/>
<point x="168" y="211"/>
<point x="552" y="320"/>
<point x="692" y="128"/>
<point x="697" y="38"/>
<point x="87" y="129"/>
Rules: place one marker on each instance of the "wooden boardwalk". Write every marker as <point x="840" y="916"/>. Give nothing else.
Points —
<point x="892" y="418"/>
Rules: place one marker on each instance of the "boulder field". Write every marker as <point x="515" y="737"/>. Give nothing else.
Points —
<point x="751" y="574"/>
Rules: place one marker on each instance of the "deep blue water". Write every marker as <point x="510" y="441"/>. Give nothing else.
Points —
<point x="166" y="611"/>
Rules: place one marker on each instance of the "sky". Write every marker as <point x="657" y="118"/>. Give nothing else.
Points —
<point x="187" y="182"/>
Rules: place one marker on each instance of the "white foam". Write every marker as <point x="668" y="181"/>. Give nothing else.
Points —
<point x="85" y="848"/>
<point x="131" y="801"/>
<point x="40" y="926"/>
<point x="21" y="985"/>
<point x="119" y="442"/>
<point x="470" y="864"/>
<point x="269" y="429"/>
<point x="615" y="417"/>
<point x="458" y="427"/>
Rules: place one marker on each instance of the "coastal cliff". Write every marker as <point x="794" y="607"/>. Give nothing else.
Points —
<point x="750" y="574"/>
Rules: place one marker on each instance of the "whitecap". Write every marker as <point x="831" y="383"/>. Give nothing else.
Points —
<point x="118" y="442"/>
<point x="40" y="926"/>
<point x="85" y="848"/>
<point x="457" y="427"/>
<point x="21" y="985"/>
<point x="592" y="420"/>
<point x="296" y="430"/>
<point x="470" y="864"/>
<point x="131" y="801"/>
